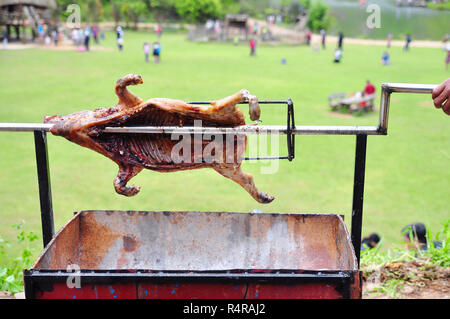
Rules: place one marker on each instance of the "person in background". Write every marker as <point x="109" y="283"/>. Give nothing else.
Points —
<point x="389" y="39"/>
<point x="315" y="46"/>
<point x="370" y="241"/>
<point x="75" y="37"/>
<point x="47" y="39"/>
<point x="218" y="29"/>
<point x="146" y="51"/>
<point x="337" y="55"/>
<point x="95" y="33"/>
<point x="120" y="38"/>
<point x="308" y="37"/>
<point x="55" y="36"/>
<point x="120" y="42"/>
<point x="341" y="40"/>
<point x="415" y="235"/>
<point x="323" y="34"/>
<point x="5" y="39"/>
<point x="407" y="43"/>
<point x="87" y="37"/>
<point x="80" y="36"/>
<point x="265" y="34"/>
<point x="119" y="32"/>
<point x="369" y="89"/>
<point x="41" y="31"/>
<point x="158" y="31"/>
<point x="156" y="52"/>
<point x="385" y="58"/>
<point x="252" y="44"/>
<point x="441" y="96"/>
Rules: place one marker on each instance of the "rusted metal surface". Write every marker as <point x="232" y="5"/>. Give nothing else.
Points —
<point x="154" y="255"/>
<point x="199" y="241"/>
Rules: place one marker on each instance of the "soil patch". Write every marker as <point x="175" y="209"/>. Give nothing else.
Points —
<point x="407" y="280"/>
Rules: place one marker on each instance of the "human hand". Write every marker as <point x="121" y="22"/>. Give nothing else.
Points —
<point x="441" y="96"/>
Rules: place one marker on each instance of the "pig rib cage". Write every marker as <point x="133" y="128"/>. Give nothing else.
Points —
<point x="290" y="129"/>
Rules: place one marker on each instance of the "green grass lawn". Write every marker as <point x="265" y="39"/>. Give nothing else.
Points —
<point x="407" y="172"/>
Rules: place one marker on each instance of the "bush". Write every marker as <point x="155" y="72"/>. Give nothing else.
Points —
<point x="11" y="277"/>
<point x="439" y="6"/>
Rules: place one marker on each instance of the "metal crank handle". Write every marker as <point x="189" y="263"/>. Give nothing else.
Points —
<point x="388" y="88"/>
<point x="408" y="87"/>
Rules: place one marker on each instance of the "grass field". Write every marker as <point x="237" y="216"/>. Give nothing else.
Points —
<point x="407" y="172"/>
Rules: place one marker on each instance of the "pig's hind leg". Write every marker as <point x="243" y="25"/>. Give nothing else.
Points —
<point x="245" y="180"/>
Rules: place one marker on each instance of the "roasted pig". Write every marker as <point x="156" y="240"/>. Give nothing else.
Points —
<point x="133" y="152"/>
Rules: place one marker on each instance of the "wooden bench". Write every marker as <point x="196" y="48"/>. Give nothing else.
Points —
<point x="332" y="100"/>
<point x="352" y="103"/>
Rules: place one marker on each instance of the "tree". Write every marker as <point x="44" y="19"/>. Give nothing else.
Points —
<point x="94" y="9"/>
<point x="130" y="11"/>
<point x="115" y="6"/>
<point x="318" y="17"/>
<point x="293" y="11"/>
<point x="162" y="9"/>
<point x="198" y="10"/>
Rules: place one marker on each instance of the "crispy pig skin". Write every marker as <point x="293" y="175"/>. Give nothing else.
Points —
<point x="134" y="152"/>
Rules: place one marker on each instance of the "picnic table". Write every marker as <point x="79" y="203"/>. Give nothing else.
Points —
<point x="340" y="101"/>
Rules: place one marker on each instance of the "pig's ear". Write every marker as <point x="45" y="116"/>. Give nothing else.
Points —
<point x="126" y="98"/>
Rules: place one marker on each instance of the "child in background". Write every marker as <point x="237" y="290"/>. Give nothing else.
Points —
<point x="337" y="55"/>
<point x="156" y="52"/>
<point x="120" y="43"/>
<point x="120" y="36"/>
<point x="158" y="31"/>
<point x="146" y="51"/>
<point x="252" y="47"/>
<point x="385" y="59"/>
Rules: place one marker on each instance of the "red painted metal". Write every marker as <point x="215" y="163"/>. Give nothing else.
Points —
<point x="292" y="291"/>
<point x="194" y="291"/>
<point x="191" y="291"/>
<point x="113" y="291"/>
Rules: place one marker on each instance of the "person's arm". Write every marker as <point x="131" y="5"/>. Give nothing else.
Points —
<point x="441" y="96"/>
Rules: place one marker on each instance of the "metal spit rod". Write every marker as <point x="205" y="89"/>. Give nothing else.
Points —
<point x="243" y="129"/>
<point x="381" y="129"/>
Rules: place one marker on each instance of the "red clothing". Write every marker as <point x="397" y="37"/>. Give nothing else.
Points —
<point x="369" y="89"/>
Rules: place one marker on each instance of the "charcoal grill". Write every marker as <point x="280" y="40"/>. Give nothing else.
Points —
<point x="141" y="254"/>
